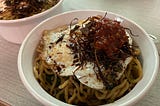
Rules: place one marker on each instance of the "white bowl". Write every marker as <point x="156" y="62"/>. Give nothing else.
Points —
<point x="26" y="53"/>
<point x="16" y="30"/>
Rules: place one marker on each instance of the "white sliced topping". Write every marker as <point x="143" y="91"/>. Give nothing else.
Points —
<point x="2" y="5"/>
<point x="68" y="71"/>
<point x="56" y="52"/>
<point x="60" y="54"/>
<point x="124" y="65"/>
<point x="126" y="62"/>
<point x="88" y="77"/>
<point x="129" y="38"/>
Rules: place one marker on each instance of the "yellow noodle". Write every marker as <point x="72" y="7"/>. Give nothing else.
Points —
<point x="92" y="91"/>
<point x="81" y="87"/>
<point x="118" y="89"/>
<point x="54" y="83"/>
<point x="70" y="100"/>
<point x="89" y="90"/>
<point x="44" y="86"/>
<point x="62" y="80"/>
<point x="75" y="83"/>
<point x="59" y="93"/>
<point x="80" y="97"/>
<point x="134" y="66"/>
<point x="49" y="72"/>
<point x="66" y="93"/>
<point x="35" y="71"/>
<point x="64" y="84"/>
<point x="74" y="92"/>
<point x="137" y="51"/>
<point x="45" y="64"/>
<point x="100" y="96"/>
<point x="123" y="90"/>
<point x="79" y="91"/>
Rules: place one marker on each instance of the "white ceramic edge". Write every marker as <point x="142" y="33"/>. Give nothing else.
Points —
<point x="138" y="97"/>
<point x="33" y="16"/>
<point x="132" y="101"/>
<point x="27" y="85"/>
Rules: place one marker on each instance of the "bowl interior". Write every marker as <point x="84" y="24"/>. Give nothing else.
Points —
<point x="26" y="53"/>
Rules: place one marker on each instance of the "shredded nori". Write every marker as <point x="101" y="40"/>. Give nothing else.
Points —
<point x="104" y="42"/>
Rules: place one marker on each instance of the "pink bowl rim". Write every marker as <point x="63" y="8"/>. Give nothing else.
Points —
<point x="33" y="16"/>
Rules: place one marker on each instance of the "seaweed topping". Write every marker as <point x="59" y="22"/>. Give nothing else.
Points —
<point x="104" y="42"/>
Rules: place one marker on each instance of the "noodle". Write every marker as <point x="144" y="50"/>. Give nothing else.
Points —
<point x="75" y="92"/>
<point x="63" y="85"/>
<point x="134" y="73"/>
<point x="69" y="89"/>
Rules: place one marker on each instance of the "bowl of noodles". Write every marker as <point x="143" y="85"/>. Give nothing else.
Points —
<point x="18" y="17"/>
<point x="90" y="58"/>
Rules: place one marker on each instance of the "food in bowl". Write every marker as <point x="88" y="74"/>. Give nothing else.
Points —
<point x="94" y="61"/>
<point x="17" y="9"/>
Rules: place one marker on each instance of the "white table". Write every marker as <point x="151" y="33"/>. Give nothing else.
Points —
<point x="146" y="13"/>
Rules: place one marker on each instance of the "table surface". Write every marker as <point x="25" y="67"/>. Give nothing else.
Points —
<point x="146" y="13"/>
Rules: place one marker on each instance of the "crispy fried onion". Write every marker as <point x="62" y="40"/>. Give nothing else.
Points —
<point x="102" y="41"/>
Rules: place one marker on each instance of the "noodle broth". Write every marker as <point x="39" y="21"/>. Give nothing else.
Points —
<point x="108" y="79"/>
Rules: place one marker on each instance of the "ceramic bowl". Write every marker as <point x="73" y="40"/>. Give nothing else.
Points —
<point x="149" y="55"/>
<point x="16" y="30"/>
